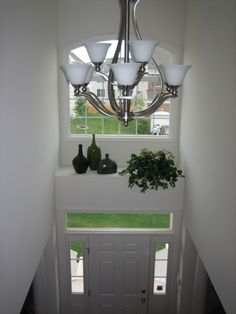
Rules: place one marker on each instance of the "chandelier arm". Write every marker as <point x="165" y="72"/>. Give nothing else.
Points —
<point x="103" y="75"/>
<point x="138" y="35"/>
<point x="135" y="21"/>
<point x="127" y="30"/>
<point x="111" y="94"/>
<point x="121" y="33"/>
<point x="110" y="84"/>
<point x="156" y="103"/>
<point x="96" y="102"/>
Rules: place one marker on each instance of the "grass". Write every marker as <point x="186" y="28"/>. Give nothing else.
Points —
<point x="77" y="247"/>
<point x="95" y="126"/>
<point x="98" y="124"/>
<point x="117" y="220"/>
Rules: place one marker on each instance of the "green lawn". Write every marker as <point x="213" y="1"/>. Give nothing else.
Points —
<point x="117" y="220"/>
<point x="98" y="124"/>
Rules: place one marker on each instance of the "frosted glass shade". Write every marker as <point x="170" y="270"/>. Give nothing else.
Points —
<point x="97" y="51"/>
<point x="125" y="73"/>
<point x="76" y="73"/>
<point x="89" y="74"/>
<point x="142" y="50"/>
<point x="174" y="74"/>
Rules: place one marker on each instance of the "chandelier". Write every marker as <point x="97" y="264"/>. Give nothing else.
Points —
<point x="126" y="73"/>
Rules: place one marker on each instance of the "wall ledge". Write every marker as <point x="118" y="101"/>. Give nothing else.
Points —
<point x="94" y="192"/>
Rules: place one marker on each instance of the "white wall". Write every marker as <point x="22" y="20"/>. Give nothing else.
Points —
<point x="193" y="280"/>
<point x="188" y="258"/>
<point x="29" y="142"/>
<point x="105" y="196"/>
<point x="78" y="20"/>
<point x="207" y="142"/>
<point x="45" y="284"/>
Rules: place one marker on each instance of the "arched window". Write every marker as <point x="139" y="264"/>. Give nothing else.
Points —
<point x="84" y="119"/>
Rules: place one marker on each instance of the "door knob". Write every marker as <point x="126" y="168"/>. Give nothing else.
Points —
<point x="143" y="291"/>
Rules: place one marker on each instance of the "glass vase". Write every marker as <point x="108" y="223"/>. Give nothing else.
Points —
<point x="107" y="166"/>
<point x="80" y="162"/>
<point x="93" y="154"/>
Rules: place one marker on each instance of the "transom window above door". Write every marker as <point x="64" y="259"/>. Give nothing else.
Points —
<point x="84" y="119"/>
<point x="163" y="221"/>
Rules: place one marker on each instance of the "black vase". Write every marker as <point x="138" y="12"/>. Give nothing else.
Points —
<point x="80" y="163"/>
<point x="107" y="166"/>
<point x="93" y="155"/>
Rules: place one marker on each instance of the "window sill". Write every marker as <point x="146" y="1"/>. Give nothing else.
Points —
<point x="117" y="138"/>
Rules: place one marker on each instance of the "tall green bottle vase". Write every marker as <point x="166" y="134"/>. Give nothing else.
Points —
<point x="93" y="154"/>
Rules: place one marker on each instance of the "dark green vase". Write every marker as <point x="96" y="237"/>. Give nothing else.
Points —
<point x="107" y="166"/>
<point x="80" y="163"/>
<point x="93" y="155"/>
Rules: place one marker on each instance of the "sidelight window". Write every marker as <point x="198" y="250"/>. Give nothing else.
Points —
<point x="160" y="268"/>
<point x="77" y="266"/>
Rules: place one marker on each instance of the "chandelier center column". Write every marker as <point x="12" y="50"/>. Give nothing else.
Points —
<point x="127" y="31"/>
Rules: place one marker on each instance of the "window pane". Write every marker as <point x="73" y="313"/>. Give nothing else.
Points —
<point x="162" y="251"/>
<point x="101" y="92"/>
<point x="144" y="126"/>
<point x="129" y="130"/>
<point x="76" y="250"/>
<point x="118" y="220"/>
<point x="159" y="286"/>
<point x="77" y="266"/>
<point x="111" y="126"/>
<point x="94" y="123"/>
<point x="78" y="126"/>
<point x="160" y="267"/>
<point x="77" y="284"/>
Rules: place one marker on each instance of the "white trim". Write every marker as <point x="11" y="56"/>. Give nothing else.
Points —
<point x="120" y="138"/>
<point x="131" y="231"/>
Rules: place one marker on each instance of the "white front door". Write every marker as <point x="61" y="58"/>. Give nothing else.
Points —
<point x="119" y="274"/>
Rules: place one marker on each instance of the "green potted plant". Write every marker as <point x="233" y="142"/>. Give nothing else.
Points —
<point x="152" y="170"/>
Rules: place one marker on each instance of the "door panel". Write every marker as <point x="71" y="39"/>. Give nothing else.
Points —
<point x="119" y="270"/>
<point x="102" y="270"/>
